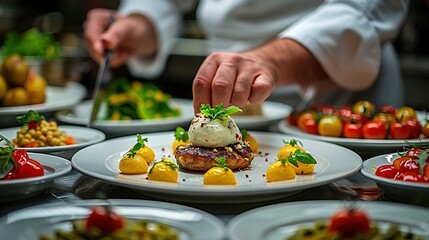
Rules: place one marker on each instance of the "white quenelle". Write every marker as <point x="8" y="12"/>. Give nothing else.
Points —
<point x="213" y="127"/>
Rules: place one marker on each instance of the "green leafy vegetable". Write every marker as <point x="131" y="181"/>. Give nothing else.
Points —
<point x="31" y="43"/>
<point x="140" y="144"/>
<point x="299" y="156"/>
<point x="221" y="162"/>
<point x="218" y="112"/>
<point x="6" y="160"/>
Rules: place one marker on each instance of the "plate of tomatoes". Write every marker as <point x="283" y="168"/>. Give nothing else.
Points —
<point x="326" y="219"/>
<point x="362" y="127"/>
<point x="23" y="174"/>
<point x="402" y="175"/>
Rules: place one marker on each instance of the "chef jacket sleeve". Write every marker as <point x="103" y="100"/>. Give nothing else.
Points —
<point x="347" y="36"/>
<point x="167" y="19"/>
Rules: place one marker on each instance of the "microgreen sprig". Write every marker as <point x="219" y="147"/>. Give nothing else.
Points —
<point x="218" y="111"/>
<point x="167" y="162"/>
<point x="298" y="156"/>
<point x="180" y="134"/>
<point x="221" y="162"/>
<point x="30" y="116"/>
<point x="293" y="142"/>
<point x="140" y="144"/>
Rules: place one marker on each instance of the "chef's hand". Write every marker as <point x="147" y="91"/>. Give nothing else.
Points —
<point x="239" y="78"/>
<point x="128" y="36"/>
<point x="232" y="79"/>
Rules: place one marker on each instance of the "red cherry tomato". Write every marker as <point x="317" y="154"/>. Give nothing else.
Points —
<point x="349" y="222"/>
<point x="413" y="177"/>
<point x="415" y="128"/>
<point x="426" y="171"/>
<point x="106" y="221"/>
<point x="310" y="126"/>
<point x="386" y="171"/>
<point x="388" y="109"/>
<point x="413" y="152"/>
<point x="374" y="130"/>
<point x="305" y="116"/>
<point x="352" y="130"/>
<point x="408" y="166"/>
<point x="399" y="131"/>
<point x="292" y="119"/>
<point x="397" y="162"/>
<point x="25" y="166"/>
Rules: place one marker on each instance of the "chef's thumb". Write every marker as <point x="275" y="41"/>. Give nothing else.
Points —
<point x="113" y="37"/>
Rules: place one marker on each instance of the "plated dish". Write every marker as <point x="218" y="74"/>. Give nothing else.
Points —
<point x="280" y="221"/>
<point x="81" y="113"/>
<point x="53" y="166"/>
<point x="365" y="147"/>
<point x="31" y="222"/>
<point x="57" y="98"/>
<point x="101" y="161"/>
<point x="83" y="137"/>
<point x="403" y="191"/>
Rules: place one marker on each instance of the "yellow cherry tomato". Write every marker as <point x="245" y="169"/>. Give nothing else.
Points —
<point x="147" y="153"/>
<point x="406" y="113"/>
<point x="219" y="176"/>
<point x="280" y="171"/>
<point x="133" y="165"/>
<point x="330" y="125"/>
<point x="303" y="168"/>
<point x="289" y="148"/>
<point x="164" y="170"/>
<point x="365" y="108"/>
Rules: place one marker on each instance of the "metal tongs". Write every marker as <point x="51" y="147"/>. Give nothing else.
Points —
<point x="101" y="82"/>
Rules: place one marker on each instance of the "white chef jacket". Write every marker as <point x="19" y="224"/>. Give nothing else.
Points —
<point x="346" y="36"/>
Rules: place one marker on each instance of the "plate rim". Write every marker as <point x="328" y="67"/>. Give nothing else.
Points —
<point x="211" y="221"/>
<point x="367" y="171"/>
<point x="73" y="89"/>
<point x="53" y="162"/>
<point x="99" y="137"/>
<point x="282" y="207"/>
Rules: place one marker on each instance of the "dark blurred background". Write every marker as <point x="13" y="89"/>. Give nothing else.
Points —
<point x="64" y="19"/>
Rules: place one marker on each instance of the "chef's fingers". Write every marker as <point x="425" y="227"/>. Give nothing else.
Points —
<point x="242" y="88"/>
<point x="202" y="84"/>
<point x="261" y="89"/>
<point x="95" y="24"/>
<point x="223" y="83"/>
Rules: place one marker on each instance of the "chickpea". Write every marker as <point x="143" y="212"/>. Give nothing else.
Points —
<point x="55" y="142"/>
<point x="42" y="138"/>
<point x="24" y="142"/>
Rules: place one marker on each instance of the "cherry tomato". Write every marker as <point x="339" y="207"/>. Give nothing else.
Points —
<point x="414" y="152"/>
<point x="425" y="129"/>
<point x="386" y="171"/>
<point x="413" y="177"/>
<point x="406" y="113"/>
<point x="409" y="166"/>
<point x="397" y="162"/>
<point x="352" y="130"/>
<point x="310" y="126"/>
<point x="324" y="109"/>
<point x="374" y="130"/>
<point x="105" y="220"/>
<point x="399" y="131"/>
<point x="426" y="171"/>
<point x="25" y="166"/>
<point x="365" y="108"/>
<point x="292" y="119"/>
<point x="387" y="119"/>
<point x="349" y="222"/>
<point x="330" y="125"/>
<point x="305" y="116"/>
<point x="388" y="109"/>
<point x="358" y="118"/>
<point x="414" y="126"/>
<point x="344" y="112"/>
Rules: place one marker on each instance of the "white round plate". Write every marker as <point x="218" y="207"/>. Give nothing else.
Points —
<point x="82" y="135"/>
<point x="365" y="147"/>
<point x="30" y="223"/>
<point x="81" y="114"/>
<point x="54" y="167"/>
<point x="102" y="160"/>
<point x="401" y="190"/>
<point x="271" y="113"/>
<point x="277" y="222"/>
<point x="57" y="98"/>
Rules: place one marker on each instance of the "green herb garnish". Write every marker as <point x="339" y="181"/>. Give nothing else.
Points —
<point x="244" y="133"/>
<point x="6" y="160"/>
<point x="180" y="134"/>
<point x="167" y="162"/>
<point x="140" y="144"/>
<point x="30" y="116"/>
<point x="293" y="142"/>
<point x="218" y="112"/>
<point x="221" y="162"/>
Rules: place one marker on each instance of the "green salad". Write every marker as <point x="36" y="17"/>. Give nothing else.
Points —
<point x="31" y="43"/>
<point x="135" y="100"/>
